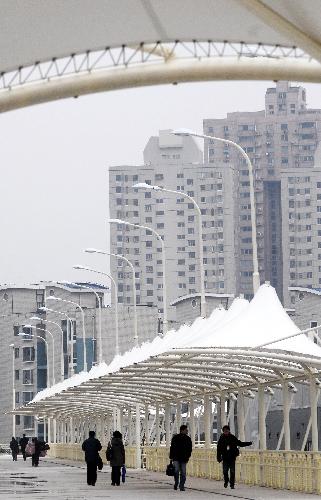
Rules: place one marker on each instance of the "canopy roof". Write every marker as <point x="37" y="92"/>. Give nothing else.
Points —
<point x="39" y="31"/>
<point x="53" y="49"/>
<point x="221" y="354"/>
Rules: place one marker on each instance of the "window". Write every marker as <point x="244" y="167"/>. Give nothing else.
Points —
<point x="16" y="330"/>
<point x="16" y="374"/>
<point x="191" y="243"/>
<point x="17" y="419"/>
<point x="150" y="293"/>
<point x="16" y="352"/>
<point x="27" y="397"/>
<point x="17" y="397"/>
<point x="27" y="377"/>
<point x="28" y="422"/>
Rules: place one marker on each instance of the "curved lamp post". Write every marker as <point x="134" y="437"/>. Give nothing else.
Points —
<point x="143" y="185"/>
<point x="36" y="318"/>
<point x="71" y="322"/>
<point x="32" y="327"/>
<point x="158" y="236"/>
<point x="46" y="343"/>
<point x="84" y="268"/>
<point x="186" y="132"/>
<point x="94" y="250"/>
<point x="58" y="299"/>
<point x="100" y="351"/>
<point x="13" y="392"/>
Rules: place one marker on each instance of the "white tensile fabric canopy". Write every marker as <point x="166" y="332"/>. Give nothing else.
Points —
<point x="53" y="49"/>
<point x="36" y="31"/>
<point x="210" y="355"/>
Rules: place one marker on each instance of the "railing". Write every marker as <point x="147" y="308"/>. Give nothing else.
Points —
<point x="4" y="449"/>
<point x="291" y="470"/>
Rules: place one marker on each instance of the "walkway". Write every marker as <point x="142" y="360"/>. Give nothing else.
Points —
<point x="60" y="479"/>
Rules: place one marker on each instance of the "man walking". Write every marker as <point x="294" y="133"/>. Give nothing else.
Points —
<point x="14" y="447"/>
<point x="91" y="447"/>
<point x="227" y="450"/>
<point x="180" y="452"/>
<point x="23" y="443"/>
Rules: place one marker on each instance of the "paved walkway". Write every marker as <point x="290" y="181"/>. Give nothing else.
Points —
<point x="58" y="479"/>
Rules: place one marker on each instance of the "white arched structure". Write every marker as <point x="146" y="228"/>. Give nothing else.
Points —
<point x="53" y="49"/>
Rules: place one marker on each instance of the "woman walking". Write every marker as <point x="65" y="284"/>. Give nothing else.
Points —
<point x="115" y="454"/>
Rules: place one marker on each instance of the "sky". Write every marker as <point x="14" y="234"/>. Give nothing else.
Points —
<point x="55" y="159"/>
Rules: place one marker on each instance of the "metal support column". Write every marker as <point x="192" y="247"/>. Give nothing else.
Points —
<point x="192" y="421"/>
<point x="178" y="415"/>
<point x="157" y="426"/>
<point x="146" y="426"/>
<point x="314" y="413"/>
<point x="207" y="421"/>
<point x="137" y="433"/>
<point x="286" y="416"/>
<point x="262" y="426"/>
<point x="168" y="424"/>
<point x="240" y="416"/>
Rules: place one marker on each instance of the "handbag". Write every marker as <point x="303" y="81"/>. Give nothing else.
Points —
<point x="123" y="473"/>
<point x="109" y="453"/>
<point x="100" y="464"/>
<point x="170" y="469"/>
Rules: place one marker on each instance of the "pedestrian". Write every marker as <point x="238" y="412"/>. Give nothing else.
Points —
<point x="14" y="447"/>
<point x="23" y="443"/>
<point x="36" y="448"/>
<point x="227" y="451"/>
<point x="91" y="447"/>
<point x="180" y="452"/>
<point x="115" y="454"/>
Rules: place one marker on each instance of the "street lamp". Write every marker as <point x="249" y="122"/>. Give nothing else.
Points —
<point x="84" y="268"/>
<point x="158" y="236"/>
<point x="94" y="250"/>
<point x="13" y="392"/>
<point x="71" y="322"/>
<point x="46" y="343"/>
<point x="186" y="132"/>
<point x="143" y="185"/>
<point x="58" y="299"/>
<point x="36" y="318"/>
<point x="100" y="355"/>
<point x="53" y="347"/>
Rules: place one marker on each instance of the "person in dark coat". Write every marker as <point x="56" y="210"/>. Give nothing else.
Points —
<point x="180" y="453"/>
<point x="115" y="454"/>
<point x="38" y="447"/>
<point x="23" y="443"/>
<point x="14" y="447"/>
<point x="91" y="447"/>
<point x="227" y="451"/>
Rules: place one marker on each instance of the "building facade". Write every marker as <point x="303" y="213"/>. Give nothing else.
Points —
<point x="174" y="163"/>
<point x="25" y="358"/>
<point x="281" y="138"/>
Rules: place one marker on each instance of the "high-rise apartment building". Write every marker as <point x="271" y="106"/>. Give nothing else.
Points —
<point x="282" y="138"/>
<point x="301" y="229"/>
<point x="174" y="163"/>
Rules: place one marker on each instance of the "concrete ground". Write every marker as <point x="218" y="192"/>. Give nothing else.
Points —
<point x="61" y="479"/>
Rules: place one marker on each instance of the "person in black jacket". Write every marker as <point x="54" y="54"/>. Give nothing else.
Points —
<point x="23" y="443"/>
<point x="14" y="447"/>
<point x="180" y="452"/>
<point x="227" y="450"/>
<point x="91" y="447"/>
<point x="115" y="454"/>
